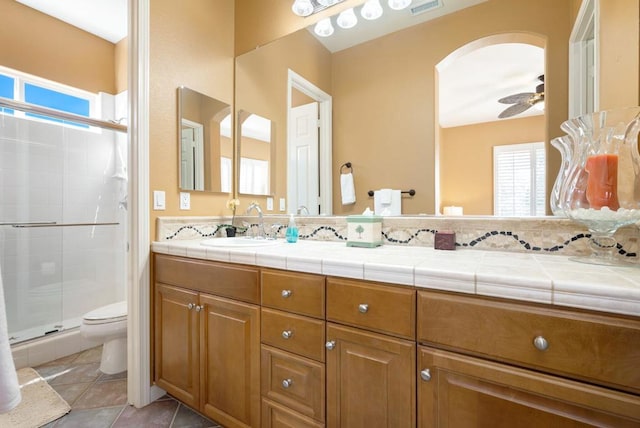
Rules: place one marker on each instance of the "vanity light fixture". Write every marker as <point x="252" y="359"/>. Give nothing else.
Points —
<point x="309" y="7"/>
<point x="347" y="19"/>
<point x="371" y="10"/>
<point x="324" y="28"/>
<point x="399" y="4"/>
<point x="302" y="7"/>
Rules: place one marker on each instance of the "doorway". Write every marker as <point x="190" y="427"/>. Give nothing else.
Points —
<point x="317" y="161"/>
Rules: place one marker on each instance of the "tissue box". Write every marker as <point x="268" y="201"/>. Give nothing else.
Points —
<point x="364" y="231"/>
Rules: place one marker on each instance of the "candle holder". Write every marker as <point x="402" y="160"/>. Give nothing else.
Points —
<point x="602" y="187"/>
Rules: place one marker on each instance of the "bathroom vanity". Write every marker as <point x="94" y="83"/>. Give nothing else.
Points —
<point x="316" y="334"/>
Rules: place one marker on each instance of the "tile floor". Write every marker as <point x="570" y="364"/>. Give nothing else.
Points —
<point x="100" y="401"/>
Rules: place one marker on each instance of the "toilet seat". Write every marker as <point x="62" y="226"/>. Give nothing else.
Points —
<point x="114" y="312"/>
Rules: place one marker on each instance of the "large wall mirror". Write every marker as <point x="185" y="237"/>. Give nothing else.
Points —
<point x="385" y="102"/>
<point x="204" y="143"/>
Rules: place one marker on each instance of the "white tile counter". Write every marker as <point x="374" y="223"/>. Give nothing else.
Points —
<point x="551" y="279"/>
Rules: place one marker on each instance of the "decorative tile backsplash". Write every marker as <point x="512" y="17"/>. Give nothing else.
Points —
<point x="548" y="235"/>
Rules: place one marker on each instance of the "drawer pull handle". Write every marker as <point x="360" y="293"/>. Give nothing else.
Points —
<point x="190" y="306"/>
<point x="541" y="343"/>
<point x="287" y="383"/>
<point x="199" y="308"/>
<point x="363" y="308"/>
<point x="425" y="375"/>
<point x="287" y="334"/>
<point x="286" y="293"/>
<point x="330" y="345"/>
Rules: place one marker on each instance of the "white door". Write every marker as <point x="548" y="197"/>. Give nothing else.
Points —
<point x="187" y="147"/>
<point x="303" y="172"/>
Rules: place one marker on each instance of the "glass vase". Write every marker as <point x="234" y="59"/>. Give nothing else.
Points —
<point x="601" y="189"/>
<point x="564" y="145"/>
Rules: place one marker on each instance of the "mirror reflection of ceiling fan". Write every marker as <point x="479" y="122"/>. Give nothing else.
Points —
<point x="522" y="101"/>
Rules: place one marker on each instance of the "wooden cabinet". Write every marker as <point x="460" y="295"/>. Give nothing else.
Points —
<point x="503" y="364"/>
<point x="370" y="379"/>
<point x="370" y="376"/>
<point x="207" y="347"/>
<point x="466" y="392"/>
<point x="293" y="336"/>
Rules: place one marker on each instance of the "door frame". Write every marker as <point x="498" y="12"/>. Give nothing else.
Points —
<point x="579" y="61"/>
<point x="295" y="81"/>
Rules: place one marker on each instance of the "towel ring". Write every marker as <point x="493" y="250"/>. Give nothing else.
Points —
<point x="346" y="165"/>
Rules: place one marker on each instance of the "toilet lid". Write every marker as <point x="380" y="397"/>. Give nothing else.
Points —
<point x="113" y="312"/>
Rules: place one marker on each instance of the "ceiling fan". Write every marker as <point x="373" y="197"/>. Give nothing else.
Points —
<point x="522" y="101"/>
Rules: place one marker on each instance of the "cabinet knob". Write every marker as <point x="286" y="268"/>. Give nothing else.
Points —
<point x="330" y="345"/>
<point x="286" y="293"/>
<point x="199" y="308"/>
<point x="363" y="308"/>
<point x="540" y="343"/>
<point x="287" y="383"/>
<point x="425" y="375"/>
<point x="287" y="334"/>
<point x="190" y="306"/>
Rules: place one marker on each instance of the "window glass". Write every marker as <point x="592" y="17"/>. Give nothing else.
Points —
<point x="7" y="90"/>
<point x="56" y="100"/>
<point x="519" y="180"/>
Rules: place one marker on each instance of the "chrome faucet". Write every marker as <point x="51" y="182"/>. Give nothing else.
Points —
<point x="256" y="206"/>
<point x="302" y="208"/>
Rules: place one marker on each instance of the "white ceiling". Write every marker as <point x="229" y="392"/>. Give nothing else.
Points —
<point x="465" y="97"/>
<point x="104" y="18"/>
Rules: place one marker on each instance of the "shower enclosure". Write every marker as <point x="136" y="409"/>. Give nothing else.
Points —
<point x="63" y="200"/>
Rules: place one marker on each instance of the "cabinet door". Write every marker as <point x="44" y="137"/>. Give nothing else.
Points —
<point x="370" y="379"/>
<point x="177" y="343"/>
<point x="230" y="363"/>
<point x="457" y="391"/>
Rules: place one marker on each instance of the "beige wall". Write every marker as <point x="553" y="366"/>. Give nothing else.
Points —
<point x="384" y="95"/>
<point x="191" y="44"/>
<point x="466" y="159"/>
<point x="35" y="43"/>
<point x="122" y="61"/>
<point x="619" y="50"/>
<point x="261" y="88"/>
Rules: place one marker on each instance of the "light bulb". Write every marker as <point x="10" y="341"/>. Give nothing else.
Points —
<point x="347" y="19"/>
<point x="399" y="4"/>
<point x="327" y="3"/>
<point x="371" y="10"/>
<point x="324" y="28"/>
<point x="539" y="105"/>
<point x="302" y="7"/>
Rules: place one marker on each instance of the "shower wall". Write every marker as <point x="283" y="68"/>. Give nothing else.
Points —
<point x="67" y="180"/>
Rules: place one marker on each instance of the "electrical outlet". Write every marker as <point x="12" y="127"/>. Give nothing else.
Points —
<point x="269" y="204"/>
<point x="185" y="201"/>
<point x="283" y="204"/>
<point x="158" y="200"/>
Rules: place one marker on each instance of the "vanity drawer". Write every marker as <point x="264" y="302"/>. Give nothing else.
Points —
<point x="294" y="292"/>
<point x="384" y="308"/>
<point x="295" y="382"/>
<point x="300" y="335"/>
<point x="222" y="279"/>
<point x="276" y="416"/>
<point x="598" y="348"/>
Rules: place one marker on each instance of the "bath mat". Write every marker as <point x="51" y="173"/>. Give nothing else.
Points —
<point x="40" y="403"/>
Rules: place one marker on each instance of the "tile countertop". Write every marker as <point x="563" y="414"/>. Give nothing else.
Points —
<point x="551" y="279"/>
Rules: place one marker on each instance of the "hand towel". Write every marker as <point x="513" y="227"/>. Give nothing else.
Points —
<point x="347" y="189"/>
<point x="387" y="202"/>
<point x="9" y="388"/>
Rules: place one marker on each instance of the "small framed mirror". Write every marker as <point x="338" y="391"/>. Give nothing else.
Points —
<point x="205" y="146"/>
<point x="256" y="148"/>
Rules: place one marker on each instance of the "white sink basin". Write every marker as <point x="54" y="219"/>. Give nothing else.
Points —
<point x="239" y="242"/>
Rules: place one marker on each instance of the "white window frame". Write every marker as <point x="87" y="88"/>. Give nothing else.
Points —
<point x="21" y="79"/>
<point x="534" y="149"/>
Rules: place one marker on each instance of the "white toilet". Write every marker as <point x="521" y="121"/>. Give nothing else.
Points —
<point x="108" y="325"/>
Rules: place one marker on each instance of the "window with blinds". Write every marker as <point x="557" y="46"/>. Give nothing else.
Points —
<point x="519" y="180"/>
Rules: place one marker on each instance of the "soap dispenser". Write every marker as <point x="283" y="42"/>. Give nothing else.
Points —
<point x="292" y="230"/>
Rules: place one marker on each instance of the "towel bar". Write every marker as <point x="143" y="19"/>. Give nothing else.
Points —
<point x="411" y="192"/>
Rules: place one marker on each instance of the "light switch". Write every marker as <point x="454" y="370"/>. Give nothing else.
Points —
<point x="185" y="201"/>
<point x="158" y="200"/>
<point x="283" y="204"/>
<point x="269" y="204"/>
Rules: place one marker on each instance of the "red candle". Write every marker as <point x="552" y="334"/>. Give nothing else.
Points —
<point x="602" y="184"/>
